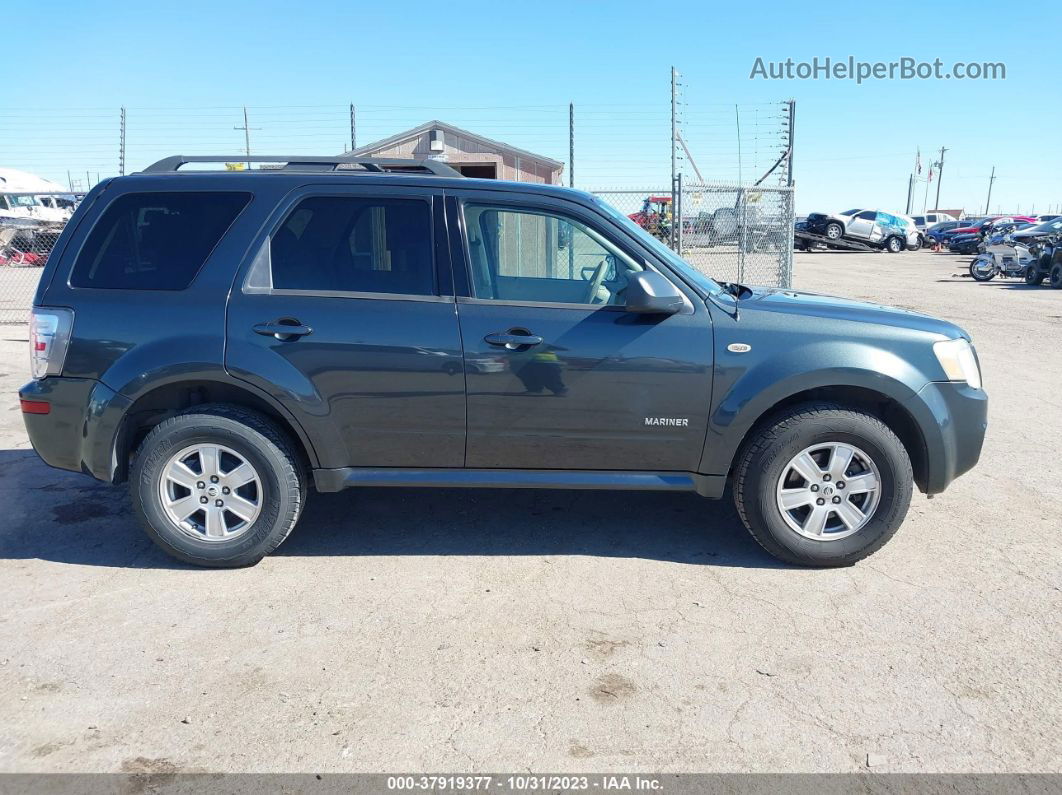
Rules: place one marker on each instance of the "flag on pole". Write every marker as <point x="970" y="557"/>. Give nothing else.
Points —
<point x="930" y="178"/>
<point x="918" y="161"/>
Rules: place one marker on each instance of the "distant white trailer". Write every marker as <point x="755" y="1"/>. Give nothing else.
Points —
<point x="25" y="195"/>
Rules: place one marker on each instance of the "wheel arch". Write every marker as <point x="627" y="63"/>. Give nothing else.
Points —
<point x="156" y="404"/>
<point x="889" y="408"/>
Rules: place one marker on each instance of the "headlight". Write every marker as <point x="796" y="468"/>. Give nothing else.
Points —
<point x="958" y="360"/>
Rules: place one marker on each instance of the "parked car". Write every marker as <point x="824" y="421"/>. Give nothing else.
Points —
<point x="927" y="220"/>
<point x="871" y="226"/>
<point x="936" y="232"/>
<point x="216" y="340"/>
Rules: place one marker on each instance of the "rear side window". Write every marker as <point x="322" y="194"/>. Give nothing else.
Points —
<point x="155" y="241"/>
<point x="353" y="244"/>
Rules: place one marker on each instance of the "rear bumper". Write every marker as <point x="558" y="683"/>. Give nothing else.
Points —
<point x="79" y="431"/>
<point x="953" y="418"/>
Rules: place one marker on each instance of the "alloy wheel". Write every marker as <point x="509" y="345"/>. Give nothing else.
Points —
<point x="210" y="492"/>
<point x="829" y="491"/>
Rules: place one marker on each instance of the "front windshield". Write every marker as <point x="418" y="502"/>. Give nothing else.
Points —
<point x="706" y="283"/>
<point x="852" y="212"/>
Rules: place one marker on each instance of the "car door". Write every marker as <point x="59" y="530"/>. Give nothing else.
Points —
<point x="559" y="375"/>
<point x="863" y="225"/>
<point x="345" y="315"/>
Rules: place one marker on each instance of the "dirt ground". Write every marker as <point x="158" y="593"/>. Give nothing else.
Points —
<point x="559" y="631"/>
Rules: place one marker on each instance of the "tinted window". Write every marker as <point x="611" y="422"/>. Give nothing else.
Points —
<point x="155" y="241"/>
<point x="347" y="244"/>
<point x="528" y="255"/>
<point x="869" y="215"/>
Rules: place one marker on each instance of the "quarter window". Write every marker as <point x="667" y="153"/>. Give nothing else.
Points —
<point x="154" y="241"/>
<point x="531" y="255"/>
<point x="351" y="244"/>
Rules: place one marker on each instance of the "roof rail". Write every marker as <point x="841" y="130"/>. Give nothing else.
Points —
<point x="312" y="163"/>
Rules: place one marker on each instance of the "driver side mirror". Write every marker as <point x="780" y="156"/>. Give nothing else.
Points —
<point x="649" y="293"/>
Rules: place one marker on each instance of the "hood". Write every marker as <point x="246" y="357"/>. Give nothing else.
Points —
<point x="830" y="307"/>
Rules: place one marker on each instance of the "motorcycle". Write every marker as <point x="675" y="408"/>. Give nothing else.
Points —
<point x="1001" y="256"/>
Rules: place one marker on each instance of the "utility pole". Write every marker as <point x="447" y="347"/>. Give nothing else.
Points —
<point x="353" y="129"/>
<point x="121" y="146"/>
<point x="69" y="182"/>
<point x="246" y="135"/>
<point x="940" y="176"/>
<point x="571" y="144"/>
<point x="991" y="179"/>
<point x="910" y="189"/>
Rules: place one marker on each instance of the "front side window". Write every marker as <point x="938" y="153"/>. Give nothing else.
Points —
<point x="154" y="241"/>
<point x="539" y="256"/>
<point x="869" y="215"/>
<point x="353" y="244"/>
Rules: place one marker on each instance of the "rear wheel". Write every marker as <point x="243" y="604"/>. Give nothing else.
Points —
<point x="1056" y="276"/>
<point x="894" y="245"/>
<point x="821" y="485"/>
<point x="218" y="486"/>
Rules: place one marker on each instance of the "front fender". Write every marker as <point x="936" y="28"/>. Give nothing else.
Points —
<point x="747" y="389"/>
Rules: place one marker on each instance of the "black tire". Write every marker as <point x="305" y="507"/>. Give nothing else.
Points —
<point x="1056" y="277"/>
<point x="255" y="438"/>
<point x="834" y="231"/>
<point x="1034" y="276"/>
<point x="894" y="245"/>
<point x="766" y="455"/>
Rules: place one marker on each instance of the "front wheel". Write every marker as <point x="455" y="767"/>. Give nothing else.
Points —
<point x="822" y="485"/>
<point x="217" y="486"/>
<point x="1034" y="276"/>
<point x="982" y="270"/>
<point x="834" y="231"/>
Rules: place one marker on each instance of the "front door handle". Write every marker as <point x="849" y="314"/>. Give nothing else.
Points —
<point x="512" y="341"/>
<point x="284" y="329"/>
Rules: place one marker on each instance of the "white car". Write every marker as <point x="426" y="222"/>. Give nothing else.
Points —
<point x="892" y="232"/>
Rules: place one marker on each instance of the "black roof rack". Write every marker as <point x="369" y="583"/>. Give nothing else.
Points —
<point x="377" y="165"/>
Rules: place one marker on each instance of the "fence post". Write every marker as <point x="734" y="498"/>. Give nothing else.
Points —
<point x="678" y="217"/>
<point x="743" y="237"/>
<point x="121" y="147"/>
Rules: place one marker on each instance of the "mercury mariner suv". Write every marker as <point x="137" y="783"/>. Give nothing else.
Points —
<point x="223" y="341"/>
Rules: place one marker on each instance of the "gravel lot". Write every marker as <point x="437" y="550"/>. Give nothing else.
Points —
<point x="501" y="631"/>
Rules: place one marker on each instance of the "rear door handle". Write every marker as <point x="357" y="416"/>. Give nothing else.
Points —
<point x="512" y="341"/>
<point x="282" y="330"/>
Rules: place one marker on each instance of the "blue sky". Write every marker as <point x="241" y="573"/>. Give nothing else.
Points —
<point x="508" y="70"/>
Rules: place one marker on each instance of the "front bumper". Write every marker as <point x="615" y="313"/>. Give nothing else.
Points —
<point x="80" y="429"/>
<point x="953" y="418"/>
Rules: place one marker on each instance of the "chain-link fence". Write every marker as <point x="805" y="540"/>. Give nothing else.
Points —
<point x="728" y="232"/>
<point x="30" y="224"/>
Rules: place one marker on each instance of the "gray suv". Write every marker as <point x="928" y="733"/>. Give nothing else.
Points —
<point x="223" y="341"/>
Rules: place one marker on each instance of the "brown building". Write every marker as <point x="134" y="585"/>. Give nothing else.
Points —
<point x="471" y="154"/>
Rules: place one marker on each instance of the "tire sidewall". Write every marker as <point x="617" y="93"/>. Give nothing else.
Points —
<point x="895" y="488"/>
<point x="268" y="462"/>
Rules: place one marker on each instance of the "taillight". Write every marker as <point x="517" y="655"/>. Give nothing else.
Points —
<point x="49" y="339"/>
